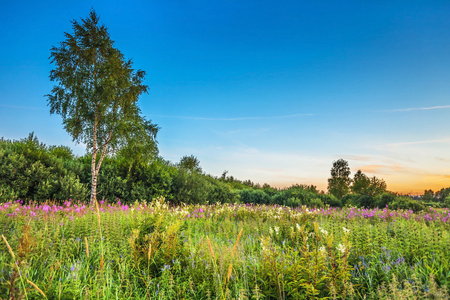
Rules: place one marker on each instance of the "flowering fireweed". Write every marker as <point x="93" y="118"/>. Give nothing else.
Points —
<point x="231" y="251"/>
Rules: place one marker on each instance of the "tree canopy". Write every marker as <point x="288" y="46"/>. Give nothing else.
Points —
<point x="339" y="183"/>
<point x="96" y="94"/>
<point x="363" y="185"/>
<point x="190" y="163"/>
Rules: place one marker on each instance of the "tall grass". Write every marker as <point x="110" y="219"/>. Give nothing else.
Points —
<point x="155" y="251"/>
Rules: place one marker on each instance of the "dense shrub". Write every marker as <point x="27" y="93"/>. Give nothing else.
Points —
<point x="447" y="202"/>
<point x="31" y="171"/>
<point x="301" y="195"/>
<point x="366" y="201"/>
<point x="254" y="196"/>
<point x="316" y="203"/>
<point x="190" y="188"/>
<point x="221" y="193"/>
<point x="330" y="200"/>
<point x="384" y="199"/>
<point x="402" y="202"/>
<point x="350" y="200"/>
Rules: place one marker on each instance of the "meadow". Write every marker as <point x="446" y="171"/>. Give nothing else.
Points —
<point x="221" y="251"/>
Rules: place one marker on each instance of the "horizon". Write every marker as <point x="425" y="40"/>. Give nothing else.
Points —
<point x="272" y="93"/>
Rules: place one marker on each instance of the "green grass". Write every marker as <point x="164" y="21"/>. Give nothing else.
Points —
<point x="158" y="252"/>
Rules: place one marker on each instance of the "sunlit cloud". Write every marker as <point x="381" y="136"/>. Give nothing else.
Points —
<point x="383" y="169"/>
<point x="436" y="181"/>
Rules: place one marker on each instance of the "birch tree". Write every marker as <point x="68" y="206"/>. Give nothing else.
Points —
<point x="96" y="94"/>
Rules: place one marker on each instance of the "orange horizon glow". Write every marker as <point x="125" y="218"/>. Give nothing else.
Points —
<point x="396" y="186"/>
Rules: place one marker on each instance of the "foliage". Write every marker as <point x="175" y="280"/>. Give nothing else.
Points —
<point x="96" y="95"/>
<point x="254" y="196"/>
<point x="385" y="199"/>
<point x="31" y="170"/>
<point x="363" y="185"/>
<point x="339" y="182"/>
<point x="190" y="163"/>
<point x="407" y="203"/>
<point x="158" y="251"/>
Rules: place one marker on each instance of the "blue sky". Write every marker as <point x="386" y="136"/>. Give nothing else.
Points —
<point x="272" y="91"/>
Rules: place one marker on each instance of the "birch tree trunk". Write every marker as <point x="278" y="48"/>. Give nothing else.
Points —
<point x="93" y="167"/>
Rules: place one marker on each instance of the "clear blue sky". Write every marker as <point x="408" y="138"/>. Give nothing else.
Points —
<point x="272" y="91"/>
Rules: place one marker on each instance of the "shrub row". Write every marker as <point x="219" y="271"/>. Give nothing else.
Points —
<point x="30" y="170"/>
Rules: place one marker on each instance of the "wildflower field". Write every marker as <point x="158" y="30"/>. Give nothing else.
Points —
<point x="157" y="251"/>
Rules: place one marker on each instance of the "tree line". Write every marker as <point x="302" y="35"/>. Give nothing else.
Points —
<point x="33" y="171"/>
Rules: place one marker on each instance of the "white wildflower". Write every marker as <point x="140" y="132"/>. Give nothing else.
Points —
<point x="346" y="231"/>
<point x="324" y="232"/>
<point x="277" y="229"/>
<point x="341" y="248"/>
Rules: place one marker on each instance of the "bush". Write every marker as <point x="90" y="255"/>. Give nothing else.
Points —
<point x="330" y="200"/>
<point x="221" y="193"/>
<point x="254" y="196"/>
<point x="316" y="203"/>
<point x="293" y="202"/>
<point x="366" y="201"/>
<point x="190" y="188"/>
<point x="407" y="203"/>
<point x="30" y="170"/>
<point x="350" y="200"/>
<point x="447" y="202"/>
<point x="384" y="199"/>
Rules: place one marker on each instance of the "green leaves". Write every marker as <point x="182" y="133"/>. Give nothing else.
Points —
<point x="30" y="170"/>
<point x="96" y="87"/>
<point x="339" y="183"/>
<point x="96" y="94"/>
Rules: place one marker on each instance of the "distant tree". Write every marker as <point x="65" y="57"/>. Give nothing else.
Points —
<point x="442" y="194"/>
<point x="447" y="202"/>
<point x="428" y="196"/>
<point x="339" y="183"/>
<point x="97" y="92"/>
<point x="190" y="163"/>
<point x="377" y="186"/>
<point x="224" y="175"/>
<point x="363" y="185"/>
<point x="360" y="183"/>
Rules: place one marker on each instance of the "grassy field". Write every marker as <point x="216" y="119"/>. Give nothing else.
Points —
<point x="155" y="251"/>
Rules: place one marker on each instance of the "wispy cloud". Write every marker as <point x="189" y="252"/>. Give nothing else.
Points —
<point x="417" y="108"/>
<point x="442" y="159"/>
<point x="444" y="140"/>
<point x="383" y="169"/>
<point x="232" y="119"/>
<point x="353" y="157"/>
